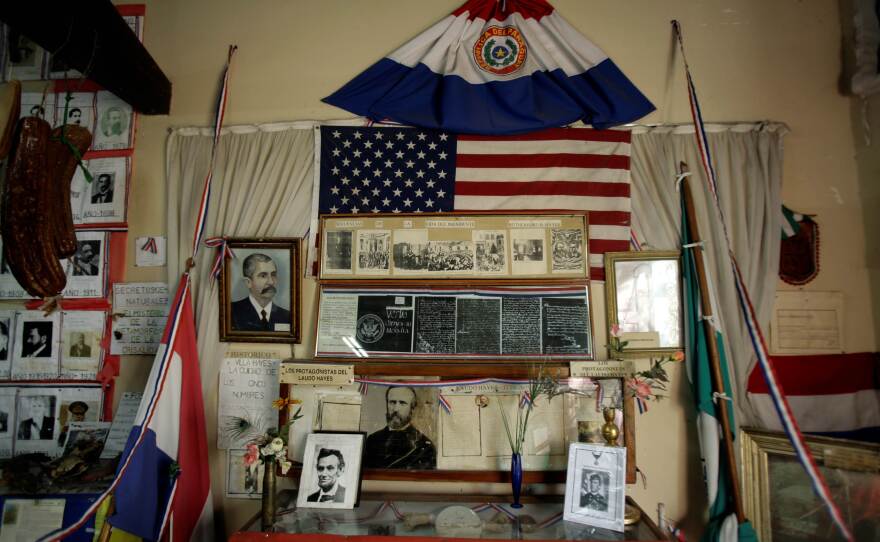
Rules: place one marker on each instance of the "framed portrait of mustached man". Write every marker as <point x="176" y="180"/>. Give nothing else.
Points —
<point x="260" y="296"/>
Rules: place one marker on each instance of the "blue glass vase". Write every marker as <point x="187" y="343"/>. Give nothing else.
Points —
<point x="516" y="479"/>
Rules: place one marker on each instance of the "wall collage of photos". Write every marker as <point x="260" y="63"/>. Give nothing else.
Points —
<point x="56" y="368"/>
<point x="484" y="298"/>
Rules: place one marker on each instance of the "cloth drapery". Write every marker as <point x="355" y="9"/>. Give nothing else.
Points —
<point x="748" y="162"/>
<point x="262" y="187"/>
<point x="263" y="182"/>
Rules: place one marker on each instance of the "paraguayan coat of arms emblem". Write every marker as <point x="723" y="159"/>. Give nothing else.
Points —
<point x="500" y="50"/>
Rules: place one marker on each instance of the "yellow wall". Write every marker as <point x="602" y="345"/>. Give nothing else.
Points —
<point x="752" y="59"/>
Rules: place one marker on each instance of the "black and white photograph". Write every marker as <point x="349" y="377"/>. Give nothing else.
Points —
<point x="80" y="110"/>
<point x="103" y="201"/>
<point x="410" y="251"/>
<point x="373" y="252"/>
<point x="243" y="481"/>
<point x="81" y="351"/>
<point x="36" y="340"/>
<point x="331" y="471"/>
<point x="36" y="416"/>
<point x="76" y="405"/>
<point x="337" y="252"/>
<point x="87" y="260"/>
<point x="595" y="485"/>
<point x="260" y="291"/>
<point x="25" y="59"/>
<point x="113" y="130"/>
<point x="528" y="256"/>
<point x="85" y="440"/>
<point x="644" y="299"/>
<point x="568" y="250"/>
<point x="102" y="188"/>
<point x="8" y="426"/>
<point x="87" y="270"/>
<point x="35" y="356"/>
<point x="35" y="104"/>
<point x="401" y="425"/>
<point x="7" y="343"/>
<point x="491" y="251"/>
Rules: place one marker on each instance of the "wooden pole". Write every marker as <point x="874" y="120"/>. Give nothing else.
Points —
<point x="105" y="527"/>
<point x="714" y="357"/>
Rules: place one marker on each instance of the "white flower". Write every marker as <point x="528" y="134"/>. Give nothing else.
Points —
<point x="276" y="445"/>
<point x="267" y="450"/>
<point x="285" y="465"/>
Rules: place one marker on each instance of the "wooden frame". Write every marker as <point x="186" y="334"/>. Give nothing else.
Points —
<point x="646" y="342"/>
<point x="464" y="371"/>
<point x="490" y="245"/>
<point x="849" y="468"/>
<point x="239" y="319"/>
<point x="352" y="342"/>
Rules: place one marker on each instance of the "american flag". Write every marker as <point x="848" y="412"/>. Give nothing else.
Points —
<point x="413" y="170"/>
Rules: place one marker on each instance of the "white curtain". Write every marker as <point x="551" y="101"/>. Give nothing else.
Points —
<point x="748" y="166"/>
<point x="262" y="187"/>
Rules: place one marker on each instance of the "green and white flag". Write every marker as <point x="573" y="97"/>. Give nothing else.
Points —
<point x="722" y="525"/>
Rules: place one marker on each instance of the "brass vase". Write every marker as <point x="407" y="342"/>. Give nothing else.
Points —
<point x="610" y="432"/>
<point x="269" y="481"/>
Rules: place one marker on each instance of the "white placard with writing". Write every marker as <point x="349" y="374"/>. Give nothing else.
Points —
<point x="248" y="385"/>
<point x="807" y="323"/>
<point x="317" y="374"/>
<point x="140" y="310"/>
<point x="123" y="420"/>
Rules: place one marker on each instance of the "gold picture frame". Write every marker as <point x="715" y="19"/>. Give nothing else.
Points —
<point x="778" y="496"/>
<point x="513" y="246"/>
<point x="277" y="260"/>
<point x="637" y="284"/>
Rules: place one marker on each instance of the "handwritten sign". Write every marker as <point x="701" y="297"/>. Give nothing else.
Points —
<point x="140" y="310"/>
<point x="248" y="385"/>
<point x="317" y="374"/>
<point x="601" y="369"/>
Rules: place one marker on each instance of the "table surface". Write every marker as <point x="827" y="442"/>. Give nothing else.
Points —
<point x="377" y="519"/>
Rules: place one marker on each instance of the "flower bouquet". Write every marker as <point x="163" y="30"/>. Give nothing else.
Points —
<point x="643" y="384"/>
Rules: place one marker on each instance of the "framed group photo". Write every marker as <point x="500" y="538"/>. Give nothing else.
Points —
<point x="260" y="291"/>
<point x="331" y="470"/>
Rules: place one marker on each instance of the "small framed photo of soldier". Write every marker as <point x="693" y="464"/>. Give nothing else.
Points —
<point x="401" y="425"/>
<point x="260" y="291"/>
<point x="331" y="470"/>
<point x="595" y="485"/>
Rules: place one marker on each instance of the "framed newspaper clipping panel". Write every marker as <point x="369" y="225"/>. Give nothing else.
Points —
<point x="465" y="246"/>
<point x="503" y="323"/>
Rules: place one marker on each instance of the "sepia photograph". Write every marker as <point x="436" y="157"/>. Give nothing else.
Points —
<point x="373" y="252"/>
<point x="331" y="470"/>
<point x="337" y="252"/>
<point x="595" y="485"/>
<point x="528" y="256"/>
<point x="114" y="123"/>
<point x="260" y="291"/>
<point x="401" y="424"/>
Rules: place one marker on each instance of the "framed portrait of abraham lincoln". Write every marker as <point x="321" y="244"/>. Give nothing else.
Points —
<point x="260" y="290"/>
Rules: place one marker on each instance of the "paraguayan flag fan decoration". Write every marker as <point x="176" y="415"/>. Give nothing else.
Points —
<point x="496" y="67"/>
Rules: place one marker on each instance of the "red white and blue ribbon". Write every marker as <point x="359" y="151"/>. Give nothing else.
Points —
<point x="202" y="217"/>
<point x="642" y="404"/>
<point x="150" y="245"/>
<point x="634" y="241"/>
<point x="525" y="399"/>
<point x="759" y="344"/>
<point x="223" y="253"/>
<point x="444" y="403"/>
